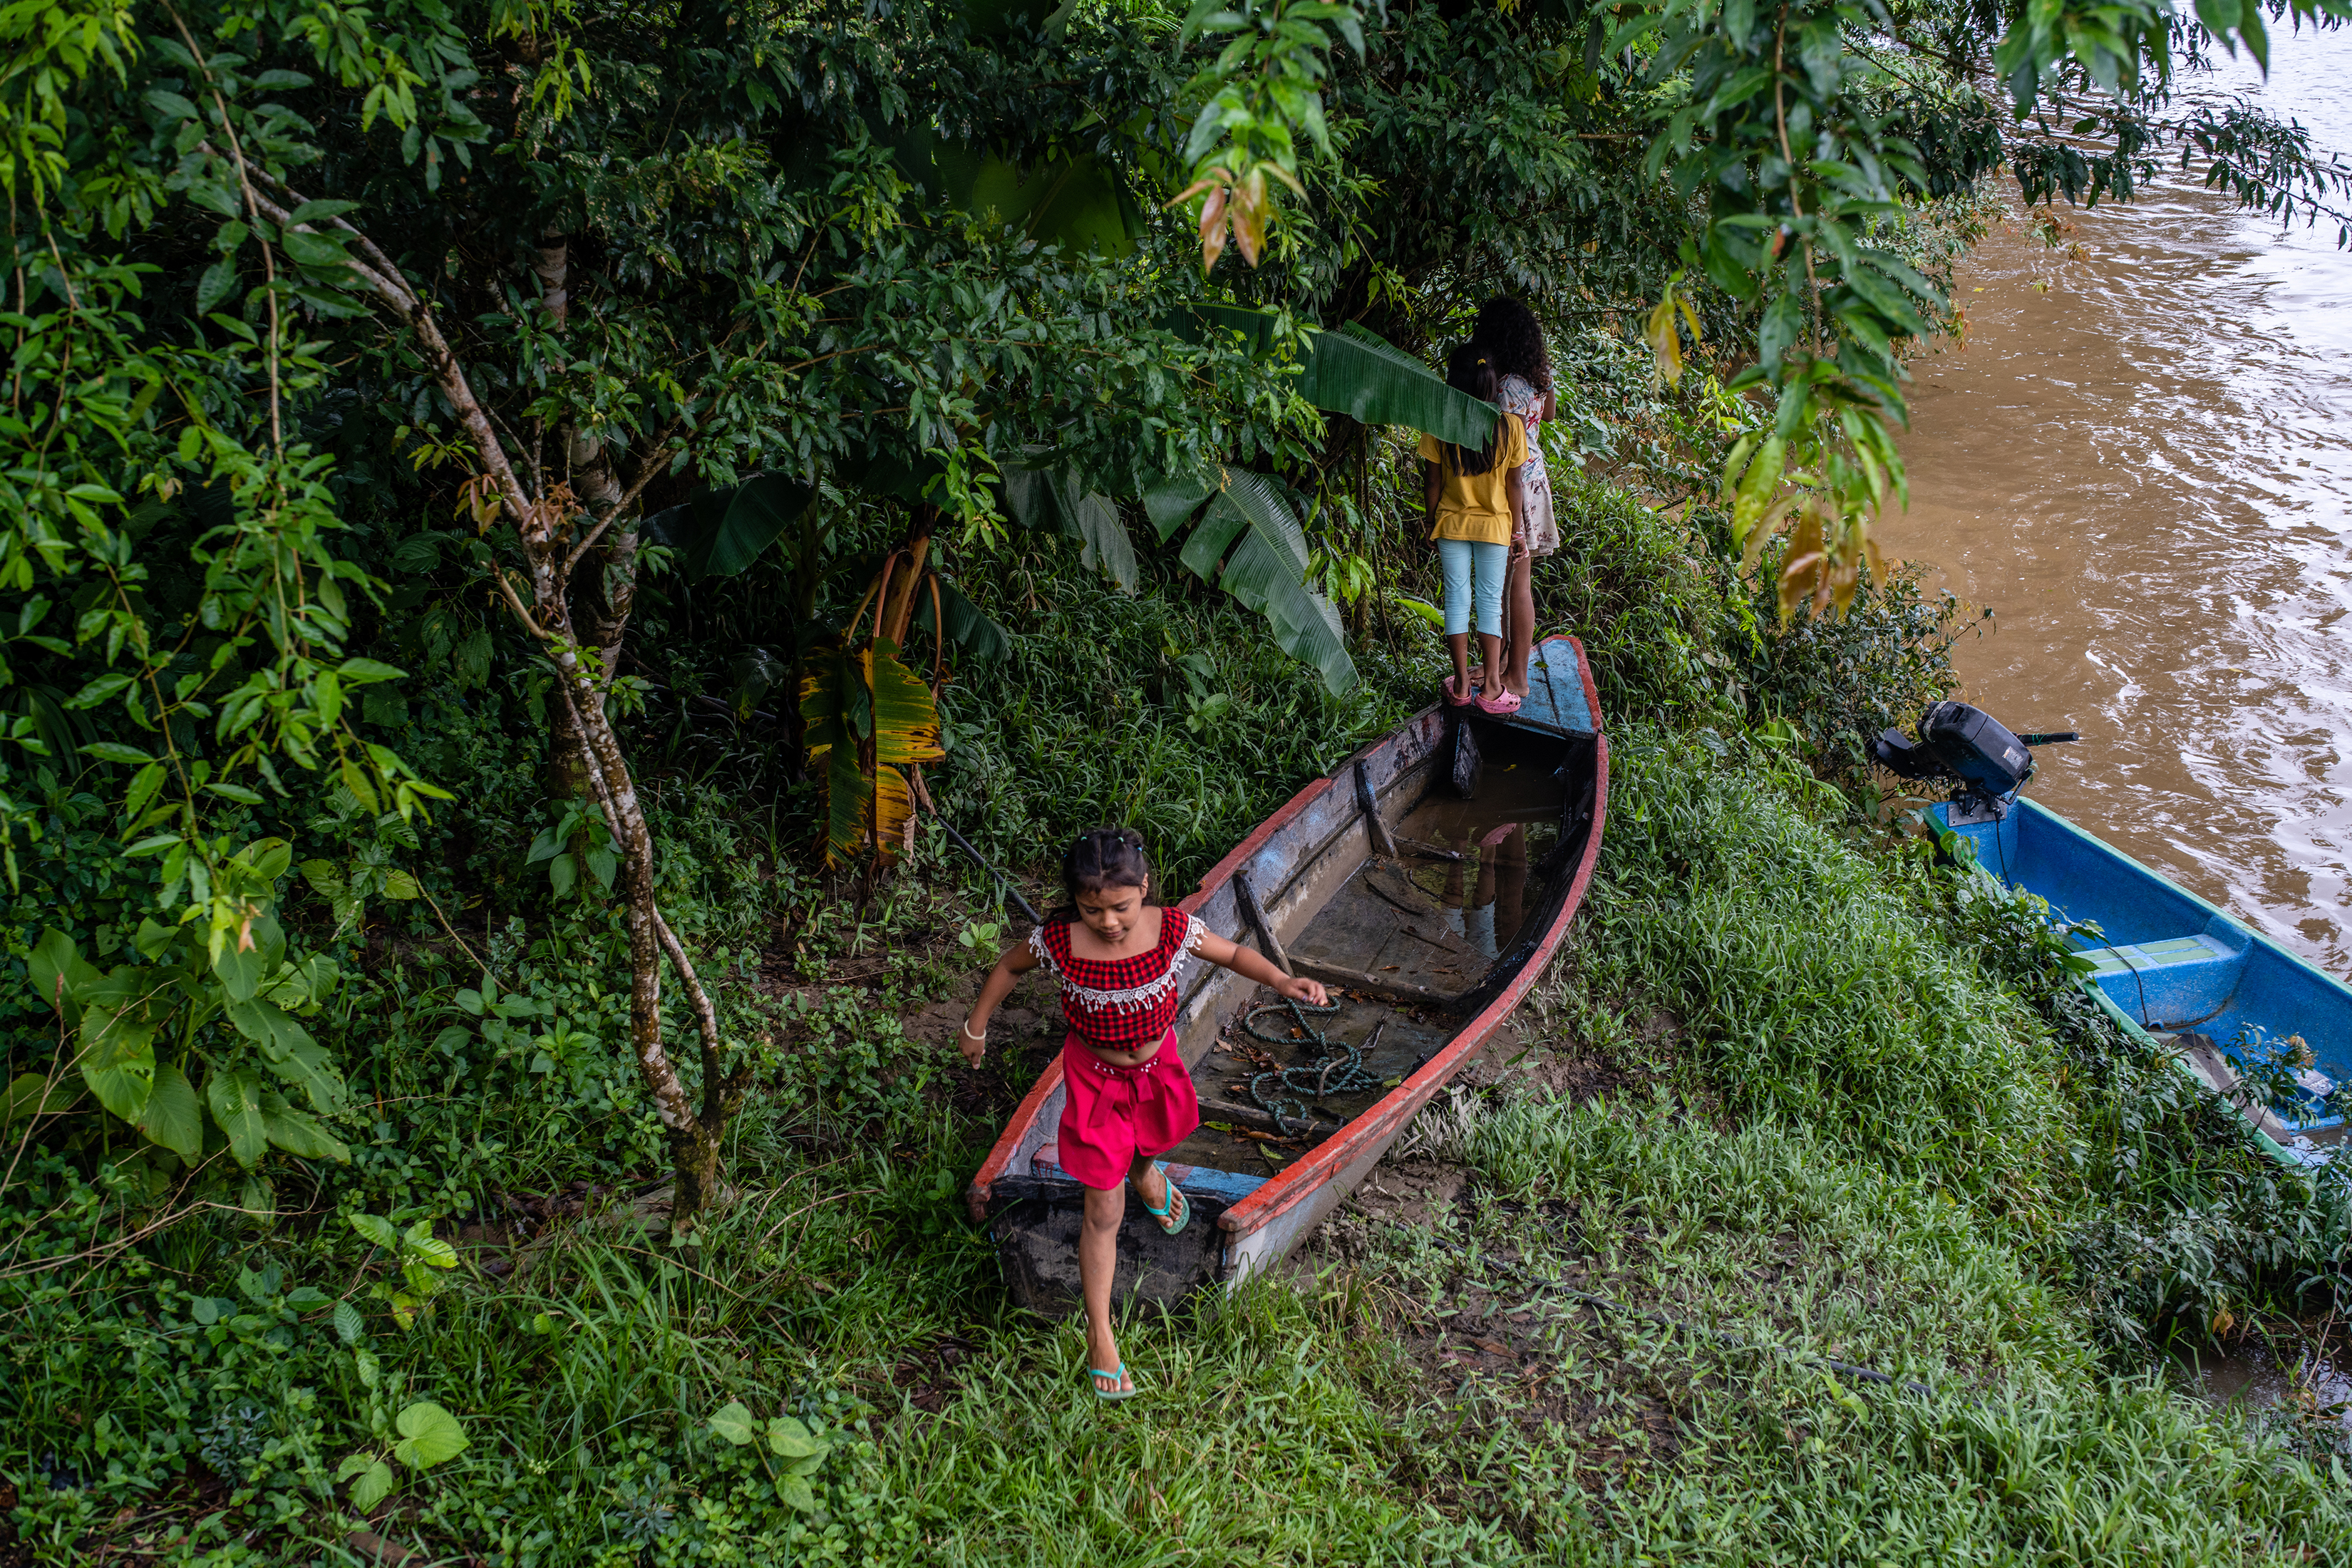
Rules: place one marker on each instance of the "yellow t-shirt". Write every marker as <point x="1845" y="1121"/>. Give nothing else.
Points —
<point x="1478" y="507"/>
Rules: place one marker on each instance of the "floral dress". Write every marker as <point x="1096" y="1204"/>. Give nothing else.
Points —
<point x="1518" y="398"/>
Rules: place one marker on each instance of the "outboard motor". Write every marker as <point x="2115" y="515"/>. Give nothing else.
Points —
<point x="1969" y="748"/>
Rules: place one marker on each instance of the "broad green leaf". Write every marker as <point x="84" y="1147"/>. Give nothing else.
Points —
<point x="721" y="531"/>
<point x="348" y="1325"/>
<point x="428" y="1435"/>
<point x="30" y="1094"/>
<point x="375" y="1485"/>
<point x="1171" y="506"/>
<point x="115" y="752"/>
<point x="795" y="1492"/>
<point x="840" y="690"/>
<point x="290" y="1052"/>
<point x="217" y="284"/>
<point x="733" y="1421"/>
<point x="376" y="1229"/>
<point x="360" y="671"/>
<point x="297" y="1133"/>
<point x="57" y="969"/>
<point x="848" y="806"/>
<point x="241" y="972"/>
<point x="789" y="1439"/>
<point x="562" y="875"/>
<point x="969" y="628"/>
<point x="117" y="1059"/>
<point x="905" y="719"/>
<point x="236" y="1100"/>
<point x="1058" y="502"/>
<point x="1267" y="571"/>
<point x="428" y="1249"/>
<point x="172" y="1116"/>
<point x="1351" y="372"/>
<point x="402" y="884"/>
<point x="351" y="1465"/>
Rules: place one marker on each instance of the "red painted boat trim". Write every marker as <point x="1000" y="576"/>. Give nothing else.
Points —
<point x="1299" y="1180"/>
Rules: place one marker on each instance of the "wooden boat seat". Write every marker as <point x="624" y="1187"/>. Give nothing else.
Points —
<point x="1556" y="698"/>
<point x="1229" y="1187"/>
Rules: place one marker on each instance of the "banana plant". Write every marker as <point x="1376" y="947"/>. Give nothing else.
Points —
<point x="869" y="718"/>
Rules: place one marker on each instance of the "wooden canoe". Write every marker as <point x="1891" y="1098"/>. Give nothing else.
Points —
<point x="1427" y="946"/>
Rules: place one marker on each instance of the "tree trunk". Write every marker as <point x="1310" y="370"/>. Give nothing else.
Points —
<point x="544" y="525"/>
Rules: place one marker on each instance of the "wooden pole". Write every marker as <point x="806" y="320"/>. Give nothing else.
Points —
<point x="1369" y="805"/>
<point x="1246" y="896"/>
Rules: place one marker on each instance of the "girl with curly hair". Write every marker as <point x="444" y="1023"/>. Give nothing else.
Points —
<point x="1511" y="337"/>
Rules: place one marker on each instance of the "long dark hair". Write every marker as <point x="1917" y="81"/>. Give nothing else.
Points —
<point x="1469" y="370"/>
<point x="1509" y="333"/>
<point x="1101" y="858"/>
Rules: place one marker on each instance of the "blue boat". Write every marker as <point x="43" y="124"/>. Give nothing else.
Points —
<point x="2265" y="1030"/>
<point x="2167" y="964"/>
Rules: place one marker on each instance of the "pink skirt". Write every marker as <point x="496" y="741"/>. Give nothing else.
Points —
<point x="1111" y="1114"/>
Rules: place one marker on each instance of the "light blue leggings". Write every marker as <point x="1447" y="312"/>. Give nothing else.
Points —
<point x="1460" y="560"/>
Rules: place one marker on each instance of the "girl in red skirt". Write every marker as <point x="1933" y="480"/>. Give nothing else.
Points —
<point x="1129" y="1099"/>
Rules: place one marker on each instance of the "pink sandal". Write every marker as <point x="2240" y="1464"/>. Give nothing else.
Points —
<point x="1452" y="700"/>
<point x="1502" y="702"/>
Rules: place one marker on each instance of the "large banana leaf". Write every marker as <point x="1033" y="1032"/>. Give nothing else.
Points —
<point x="1077" y="201"/>
<point x="969" y="627"/>
<point x="1060" y="503"/>
<point x="1249" y="542"/>
<point x="1350" y="370"/>
<point x="868" y="716"/>
<point x="720" y="531"/>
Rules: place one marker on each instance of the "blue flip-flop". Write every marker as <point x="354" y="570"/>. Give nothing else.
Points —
<point x="1114" y="1391"/>
<point x="1177" y="1200"/>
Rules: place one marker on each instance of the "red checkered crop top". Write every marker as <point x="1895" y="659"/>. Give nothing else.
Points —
<point x="1120" y="1002"/>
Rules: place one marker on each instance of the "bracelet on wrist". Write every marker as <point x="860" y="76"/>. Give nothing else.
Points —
<point x="968" y="1033"/>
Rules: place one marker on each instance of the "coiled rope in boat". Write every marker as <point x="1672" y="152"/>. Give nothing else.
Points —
<point x="1333" y="1068"/>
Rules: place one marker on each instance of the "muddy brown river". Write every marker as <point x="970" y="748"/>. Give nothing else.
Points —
<point x="2141" y="462"/>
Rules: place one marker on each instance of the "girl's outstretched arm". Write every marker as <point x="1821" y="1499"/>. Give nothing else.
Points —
<point x="972" y="1035"/>
<point x="1250" y="964"/>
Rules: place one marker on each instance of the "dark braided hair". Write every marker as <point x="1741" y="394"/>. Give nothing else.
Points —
<point x="1468" y="370"/>
<point x="1102" y="858"/>
<point x="1509" y="333"/>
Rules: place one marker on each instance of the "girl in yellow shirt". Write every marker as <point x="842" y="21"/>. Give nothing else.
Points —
<point x="1476" y="514"/>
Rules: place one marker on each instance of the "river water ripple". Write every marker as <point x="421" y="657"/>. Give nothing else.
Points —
<point x="2141" y="462"/>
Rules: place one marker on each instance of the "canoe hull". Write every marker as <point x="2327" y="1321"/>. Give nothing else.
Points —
<point x="2171" y="964"/>
<point x="1294" y="863"/>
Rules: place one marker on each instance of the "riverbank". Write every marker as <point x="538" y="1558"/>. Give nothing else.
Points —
<point x="1781" y="1092"/>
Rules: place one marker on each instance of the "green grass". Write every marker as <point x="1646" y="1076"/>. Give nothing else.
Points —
<point x="1830" y="1134"/>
